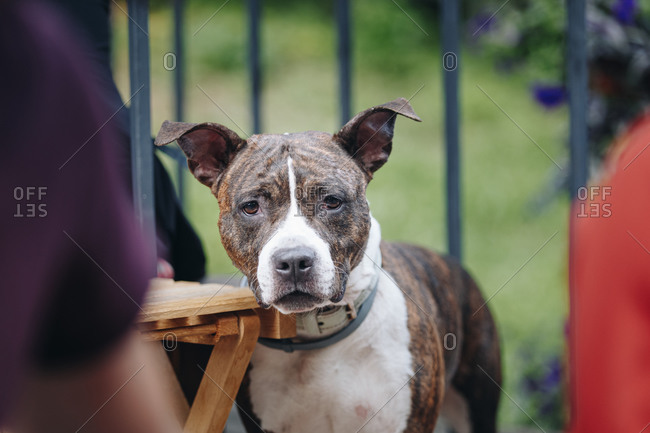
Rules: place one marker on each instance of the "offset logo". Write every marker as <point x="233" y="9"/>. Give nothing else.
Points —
<point x="170" y="341"/>
<point x="30" y="201"/>
<point x="308" y="199"/>
<point x="593" y="202"/>
<point x="169" y="61"/>
<point x="449" y="341"/>
<point x="449" y="61"/>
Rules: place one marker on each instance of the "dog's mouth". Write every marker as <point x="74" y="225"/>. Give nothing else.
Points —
<point x="297" y="302"/>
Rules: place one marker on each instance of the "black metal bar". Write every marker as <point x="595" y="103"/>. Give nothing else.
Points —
<point x="343" y="51"/>
<point x="450" y="64"/>
<point x="179" y="79"/>
<point x="254" y="62"/>
<point x="140" y="118"/>
<point x="577" y="76"/>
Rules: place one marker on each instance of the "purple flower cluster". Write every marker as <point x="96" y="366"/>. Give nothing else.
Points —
<point x="549" y="96"/>
<point x="625" y="11"/>
<point x="481" y="23"/>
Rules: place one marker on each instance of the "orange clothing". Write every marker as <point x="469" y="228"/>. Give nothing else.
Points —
<point x="609" y="339"/>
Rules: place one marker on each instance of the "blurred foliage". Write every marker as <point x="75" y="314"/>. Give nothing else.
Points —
<point x="524" y="35"/>
<point x="528" y="36"/>
<point x="378" y="28"/>
<point x="543" y="384"/>
<point x="386" y="41"/>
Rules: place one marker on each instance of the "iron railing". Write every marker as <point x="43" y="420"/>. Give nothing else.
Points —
<point x="142" y="151"/>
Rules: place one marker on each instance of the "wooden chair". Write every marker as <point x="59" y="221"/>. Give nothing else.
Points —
<point x="225" y="317"/>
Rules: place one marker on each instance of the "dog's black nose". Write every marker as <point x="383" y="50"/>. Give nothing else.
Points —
<point x="294" y="264"/>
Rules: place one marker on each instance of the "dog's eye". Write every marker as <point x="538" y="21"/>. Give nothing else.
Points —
<point x="332" y="203"/>
<point x="251" y="208"/>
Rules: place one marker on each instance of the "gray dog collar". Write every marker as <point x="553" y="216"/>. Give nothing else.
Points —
<point x="328" y="325"/>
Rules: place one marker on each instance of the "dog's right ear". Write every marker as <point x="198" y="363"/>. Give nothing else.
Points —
<point x="209" y="147"/>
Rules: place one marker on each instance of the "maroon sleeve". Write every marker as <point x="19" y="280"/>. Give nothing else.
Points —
<point x="73" y="266"/>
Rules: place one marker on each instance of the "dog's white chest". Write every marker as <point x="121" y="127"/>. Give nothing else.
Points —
<point x="361" y="380"/>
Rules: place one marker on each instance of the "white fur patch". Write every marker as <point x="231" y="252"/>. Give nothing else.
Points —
<point x="294" y="232"/>
<point x="364" y="273"/>
<point x="339" y="388"/>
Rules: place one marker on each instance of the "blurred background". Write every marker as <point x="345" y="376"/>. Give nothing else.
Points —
<point x="513" y="136"/>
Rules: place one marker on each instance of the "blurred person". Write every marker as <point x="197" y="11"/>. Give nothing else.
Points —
<point x="610" y="235"/>
<point x="179" y="249"/>
<point x="180" y="253"/>
<point x="73" y="264"/>
<point x="610" y="291"/>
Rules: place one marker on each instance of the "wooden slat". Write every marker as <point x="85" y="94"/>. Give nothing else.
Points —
<point x="221" y="324"/>
<point x="275" y="324"/>
<point x="171" y="305"/>
<point x="223" y="375"/>
<point x="176" y="300"/>
<point x="177" y="323"/>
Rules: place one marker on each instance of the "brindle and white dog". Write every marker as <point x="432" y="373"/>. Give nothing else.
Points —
<point x="295" y="220"/>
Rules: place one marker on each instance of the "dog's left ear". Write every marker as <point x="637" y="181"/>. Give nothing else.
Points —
<point x="368" y="137"/>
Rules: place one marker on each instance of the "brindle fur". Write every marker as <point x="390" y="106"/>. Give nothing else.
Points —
<point x="442" y="299"/>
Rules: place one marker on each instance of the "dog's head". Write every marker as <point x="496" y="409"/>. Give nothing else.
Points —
<point x="293" y="214"/>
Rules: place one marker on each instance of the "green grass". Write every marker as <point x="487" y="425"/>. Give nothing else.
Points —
<point x="502" y="169"/>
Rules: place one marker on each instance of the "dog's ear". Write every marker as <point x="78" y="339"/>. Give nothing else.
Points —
<point x="368" y="137"/>
<point x="209" y="147"/>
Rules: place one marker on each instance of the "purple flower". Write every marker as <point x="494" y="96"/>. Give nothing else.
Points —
<point x="481" y="23"/>
<point x="625" y="11"/>
<point x="549" y="96"/>
<point x="553" y="377"/>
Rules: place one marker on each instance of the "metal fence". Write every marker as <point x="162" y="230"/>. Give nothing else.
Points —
<point x="142" y="151"/>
